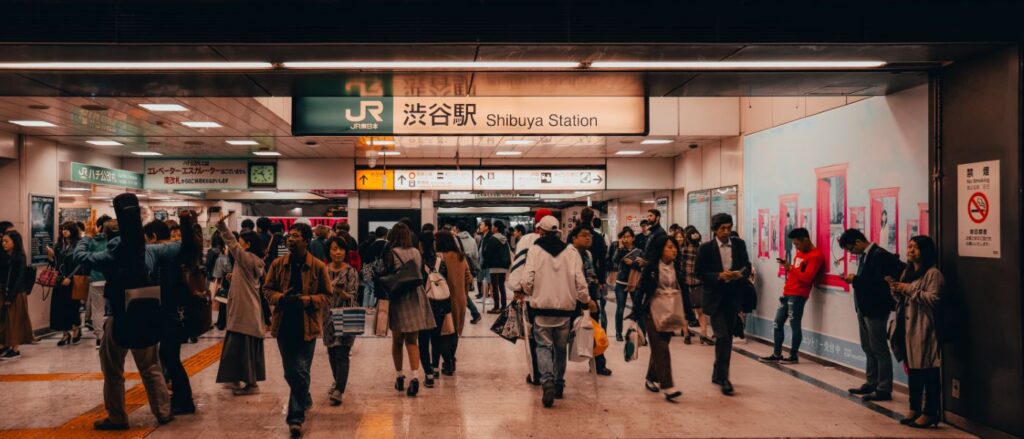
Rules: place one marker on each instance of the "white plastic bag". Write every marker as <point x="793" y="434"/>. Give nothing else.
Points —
<point x="581" y="343"/>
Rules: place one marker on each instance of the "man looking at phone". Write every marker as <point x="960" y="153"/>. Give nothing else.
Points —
<point x="874" y="303"/>
<point x="801" y="275"/>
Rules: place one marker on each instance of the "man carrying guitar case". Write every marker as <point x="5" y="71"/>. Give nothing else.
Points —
<point x="134" y="323"/>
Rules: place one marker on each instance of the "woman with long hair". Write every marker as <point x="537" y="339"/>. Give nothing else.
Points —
<point x="688" y="261"/>
<point x="432" y="345"/>
<point x="497" y="258"/>
<point x="914" y="332"/>
<point x="663" y="308"/>
<point x="64" y="314"/>
<point x="242" y="363"/>
<point x="409" y="311"/>
<point x="15" y="325"/>
<point x="455" y="269"/>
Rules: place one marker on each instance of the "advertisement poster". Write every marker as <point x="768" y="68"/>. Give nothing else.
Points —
<point x="857" y="221"/>
<point x="41" y="220"/>
<point x="885" y="217"/>
<point x="806" y="221"/>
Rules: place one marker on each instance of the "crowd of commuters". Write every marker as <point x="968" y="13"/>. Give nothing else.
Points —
<point x="268" y="281"/>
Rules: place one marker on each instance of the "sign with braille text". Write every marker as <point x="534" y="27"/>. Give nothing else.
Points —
<point x="978" y="210"/>
<point x="461" y="115"/>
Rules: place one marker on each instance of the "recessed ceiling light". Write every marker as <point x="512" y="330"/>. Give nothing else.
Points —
<point x="158" y="65"/>
<point x="390" y="153"/>
<point x="266" y="153"/>
<point x="201" y="124"/>
<point x="32" y="123"/>
<point x="104" y="142"/>
<point x="648" y="201"/>
<point x="520" y="142"/>
<point x="242" y="142"/>
<point x="508" y="153"/>
<point x="656" y="141"/>
<point x="737" y="65"/>
<point x="629" y="152"/>
<point x="146" y="153"/>
<point x="428" y="65"/>
<point x="163" y="107"/>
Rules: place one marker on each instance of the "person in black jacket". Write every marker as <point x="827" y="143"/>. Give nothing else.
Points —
<point x="497" y="258"/>
<point x="723" y="266"/>
<point x="654" y="228"/>
<point x="874" y="303"/>
<point x="599" y="255"/>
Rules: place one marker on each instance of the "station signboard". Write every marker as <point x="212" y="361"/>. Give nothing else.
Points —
<point x="375" y="180"/>
<point x="493" y="180"/>
<point x="559" y="179"/>
<point x="83" y="173"/>
<point x="196" y="174"/>
<point x="469" y="115"/>
<point x="433" y="180"/>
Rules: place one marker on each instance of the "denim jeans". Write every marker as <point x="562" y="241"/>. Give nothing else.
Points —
<point x="874" y="340"/>
<point x="369" y="300"/>
<point x="296" y="359"/>
<point x="790" y="308"/>
<point x="620" y="306"/>
<point x="552" y="347"/>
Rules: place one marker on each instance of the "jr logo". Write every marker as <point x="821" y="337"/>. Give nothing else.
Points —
<point x="374" y="108"/>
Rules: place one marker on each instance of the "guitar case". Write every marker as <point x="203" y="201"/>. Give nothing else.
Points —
<point x="137" y="324"/>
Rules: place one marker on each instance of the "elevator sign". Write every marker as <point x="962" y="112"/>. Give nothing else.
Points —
<point x="433" y="180"/>
<point x="455" y="115"/>
<point x="559" y="179"/>
<point x="978" y="232"/>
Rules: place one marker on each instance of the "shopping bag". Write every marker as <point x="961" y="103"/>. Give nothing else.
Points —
<point x="581" y="343"/>
<point x="79" y="287"/>
<point x="667" y="310"/>
<point x="634" y="339"/>
<point x="348" y="321"/>
<point x="600" y="338"/>
<point x="506" y="323"/>
<point x="448" y="325"/>
<point x="381" y="328"/>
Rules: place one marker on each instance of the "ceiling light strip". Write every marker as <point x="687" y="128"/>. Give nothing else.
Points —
<point x="132" y="65"/>
<point x="429" y="65"/>
<point x="736" y="65"/>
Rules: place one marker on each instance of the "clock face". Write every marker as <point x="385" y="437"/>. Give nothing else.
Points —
<point x="262" y="175"/>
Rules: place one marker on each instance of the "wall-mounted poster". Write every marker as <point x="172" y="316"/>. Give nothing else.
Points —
<point x="858" y="220"/>
<point x="40" y="219"/>
<point x="787" y="222"/>
<point x="831" y="221"/>
<point x="913" y="229"/>
<point x="774" y="234"/>
<point x="698" y="212"/>
<point x="763" y="222"/>
<point x="885" y="218"/>
<point x="160" y="215"/>
<point x="73" y="214"/>
<point x="807" y="220"/>
<point x="922" y="219"/>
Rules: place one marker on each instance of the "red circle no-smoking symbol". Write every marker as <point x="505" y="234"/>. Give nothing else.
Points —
<point x="977" y="207"/>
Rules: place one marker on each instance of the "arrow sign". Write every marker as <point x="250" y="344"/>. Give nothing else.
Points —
<point x="598" y="179"/>
<point x="401" y="179"/>
<point x="362" y="179"/>
<point x="480" y="179"/>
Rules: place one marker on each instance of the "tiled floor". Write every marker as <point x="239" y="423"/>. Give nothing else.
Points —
<point x="486" y="398"/>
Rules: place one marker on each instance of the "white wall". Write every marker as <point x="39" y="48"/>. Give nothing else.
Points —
<point x="639" y="173"/>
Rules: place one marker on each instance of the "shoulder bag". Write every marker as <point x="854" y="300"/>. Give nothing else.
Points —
<point x="437" y="285"/>
<point x="407" y="277"/>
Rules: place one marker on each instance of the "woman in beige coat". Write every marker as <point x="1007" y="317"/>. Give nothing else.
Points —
<point x="241" y="362"/>
<point x="458" y="278"/>
<point x="914" y="332"/>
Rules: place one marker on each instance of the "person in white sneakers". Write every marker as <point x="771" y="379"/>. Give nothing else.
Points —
<point x="514" y="285"/>
<point x="554" y="281"/>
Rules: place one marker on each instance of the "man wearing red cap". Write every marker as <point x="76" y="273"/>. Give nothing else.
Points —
<point x="513" y="284"/>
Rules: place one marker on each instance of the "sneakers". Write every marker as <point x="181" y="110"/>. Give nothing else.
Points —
<point x="706" y="341"/>
<point x="604" y="372"/>
<point x="790" y="360"/>
<point x="65" y="340"/>
<point x="686" y="339"/>
<point x="559" y="391"/>
<point x="428" y="381"/>
<point x="771" y="359"/>
<point x="97" y="343"/>
<point x="414" y="387"/>
<point x="10" y="354"/>
<point x="295" y="430"/>
<point x="618" y="337"/>
<point x="548" y="399"/>
<point x="106" y="424"/>
<point x="400" y="383"/>
<point x="650" y="386"/>
<point x="336" y="396"/>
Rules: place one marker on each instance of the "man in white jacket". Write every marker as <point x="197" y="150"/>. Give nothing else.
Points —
<point x="514" y="284"/>
<point x="553" y="279"/>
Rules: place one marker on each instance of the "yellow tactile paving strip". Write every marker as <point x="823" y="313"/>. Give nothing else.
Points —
<point x="135" y="397"/>
<point x="83" y="376"/>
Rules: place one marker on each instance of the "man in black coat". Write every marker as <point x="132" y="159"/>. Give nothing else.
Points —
<point x="874" y="303"/>
<point x="723" y="267"/>
<point x="654" y="228"/>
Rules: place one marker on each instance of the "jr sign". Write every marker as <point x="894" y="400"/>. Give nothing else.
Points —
<point x="517" y="115"/>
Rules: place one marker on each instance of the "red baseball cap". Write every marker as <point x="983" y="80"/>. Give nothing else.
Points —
<point x="541" y="213"/>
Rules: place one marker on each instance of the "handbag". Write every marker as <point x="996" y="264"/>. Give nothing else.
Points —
<point x="48" y="277"/>
<point x="600" y="338"/>
<point x="667" y="310"/>
<point x="437" y="285"/>
<point x="402" y="280"/>
<point x="632" y="281"/>
<point x="381" y="327"/>
<point x="348" y="321"/>
<point x="79" y="287"/>
<point x="448" y="325"/>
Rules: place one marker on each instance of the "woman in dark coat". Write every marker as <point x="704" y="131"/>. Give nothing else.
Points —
<point x="15" y="325"/>
<point x="64" y="314"/>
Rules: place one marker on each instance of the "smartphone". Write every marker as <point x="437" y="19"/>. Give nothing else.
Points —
<point x="780" y="260"/>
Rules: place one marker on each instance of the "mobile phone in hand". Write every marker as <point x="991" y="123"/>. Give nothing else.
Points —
<point x="781" y="261"/>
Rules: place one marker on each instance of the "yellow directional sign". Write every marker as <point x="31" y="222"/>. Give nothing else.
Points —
<point x="375" y="180"/>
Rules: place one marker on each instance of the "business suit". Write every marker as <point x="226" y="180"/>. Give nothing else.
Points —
<point x="874" y="302"/>
<point x="722" y="300"/>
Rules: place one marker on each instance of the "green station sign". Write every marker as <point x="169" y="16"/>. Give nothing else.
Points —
<point x="82" y="173"/>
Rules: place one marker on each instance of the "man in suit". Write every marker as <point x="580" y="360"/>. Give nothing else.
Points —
<point x="874" y="303"/>
<point x="723" y="267"/>
<point x="654" y="228"/>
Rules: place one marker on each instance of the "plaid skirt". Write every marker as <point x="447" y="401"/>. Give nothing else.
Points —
<point x="411" y="313"/>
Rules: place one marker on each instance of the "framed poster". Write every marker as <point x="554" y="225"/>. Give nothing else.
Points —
<point x="73" y="214"/>
<point x="763" y="235"/>
<point x="774" y="234"/>
<point x="725" y="200"/>
<point x="922" y="219"/>
<point x="885" y="218"/>
<point x="807" y="220"/>
<point x="787" y="222"/>
<point x="831" y="221"/>
<point x="857" y="221"/>
<point x="913" y="228"/>
<point x="41" y="221"/>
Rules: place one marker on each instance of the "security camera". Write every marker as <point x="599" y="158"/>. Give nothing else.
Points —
<point x="694" y="146"/>
<point x="372" y="161"/>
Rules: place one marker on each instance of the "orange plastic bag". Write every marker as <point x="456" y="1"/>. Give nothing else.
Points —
<point x="600" y="338"/>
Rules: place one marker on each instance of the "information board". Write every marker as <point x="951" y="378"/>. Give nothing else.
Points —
<point x="196" y="174"/>
<point x="427" y="180"/>
<point x="493" y="180"/>
<point x="375" y="180"/>
<point x="41" y="222"/>
<point x="558" y="179"/>
<point x="83" y="173"/>
<point x="698" y="212"/>
<point x="725" y="200"/>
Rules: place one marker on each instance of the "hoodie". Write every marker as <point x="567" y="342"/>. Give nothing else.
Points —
<point x="553" y="278"/>
<point x="469" y="246"/>
<point x="497" y="255"/>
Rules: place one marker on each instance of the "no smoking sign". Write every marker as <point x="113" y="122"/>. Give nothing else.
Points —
<point x="978" y="208"/>
<point x="978" y="231"/>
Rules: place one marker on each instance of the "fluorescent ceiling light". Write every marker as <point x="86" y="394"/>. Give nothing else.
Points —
<point x="146" y="153"/>
<point x="508" y="153"/>
<point x="382" y="142"/>
<point x="390" y="153"/>
<point x="648" y="201"/>
<point x="656" y="141"/>
<point x="71" y="195"/>
<point x="428" y="65"/>
<point x="266" y="153"/>
<point x="190" y="192"/>
<point x="104" y="142"/>
<point x="163" y="107"/>
<point x="32" y="123"/>
<point x="201" y="124"/>
<point x="156" y="65"/>
<point x="629" y="152"/>
<point x="264" y="192"/>
<point x="737" y="65"/>
<point x="520" y="142"/>
<point x="242" y="142"/>
<point x="80" y="189"/>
